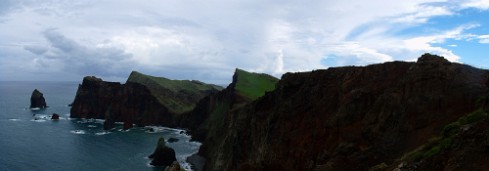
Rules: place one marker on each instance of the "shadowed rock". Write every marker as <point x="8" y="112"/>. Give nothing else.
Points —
<point x="163" y="155"/>
<point x="174" y="167"/>
<point x="349" y="118"/>
<point x="142" y="100"/>
<point x="55" y="116"/>
<point x="37" y="100"/>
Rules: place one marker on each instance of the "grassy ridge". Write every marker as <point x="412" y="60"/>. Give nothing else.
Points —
<point x="178" y="95"/>
<point x="254" y="85"/>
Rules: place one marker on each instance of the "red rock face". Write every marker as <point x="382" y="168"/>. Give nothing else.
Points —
<point x="93" y="98"/>
<point x="130" y="103"/>
<point x="348" y="118"/>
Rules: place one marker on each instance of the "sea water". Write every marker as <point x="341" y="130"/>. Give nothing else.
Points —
<point x="30" y="140"/>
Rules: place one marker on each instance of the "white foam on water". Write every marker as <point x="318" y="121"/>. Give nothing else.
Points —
<point x="78" y="132"/>
<point x="122" y="130"/>
<point x="102" y="133"/>
<point x="35" y="108"/>
<point x="92" y="126"/>
<point x="99" y="121"/>
<point x="40" y="116"/>
<point x="14" y="119"/>
<point x="38" y="120"/>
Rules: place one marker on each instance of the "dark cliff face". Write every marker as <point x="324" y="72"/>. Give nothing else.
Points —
<point x="348" y="118"/>
<point x="208" y="119"/>
<point x="37" y="99"/>
<point x="94" y="97"/>
<point x="178" y="96"/>
<point x="211" y="110"/>
<point x="130" y="103"/>
<point x="136" y="102"/>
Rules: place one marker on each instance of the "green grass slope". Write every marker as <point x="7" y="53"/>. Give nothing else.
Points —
<point x="253" y="85"/>
<point x="178" y="95"/>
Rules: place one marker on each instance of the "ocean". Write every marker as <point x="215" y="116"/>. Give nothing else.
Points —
<point x="30" y="140"/>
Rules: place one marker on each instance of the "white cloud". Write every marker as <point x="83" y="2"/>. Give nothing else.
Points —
<point x="423" y="13"/>
<point x="483" y="38"/>
<point x="207" y="40"/>
<point x="479" y="4"/>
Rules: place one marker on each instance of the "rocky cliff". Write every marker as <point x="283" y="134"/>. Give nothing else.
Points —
<point x="37" y="100"/>
<point x="139" y="101"/>
<point x="346" y="118"/>
<point x="210" y="113"/>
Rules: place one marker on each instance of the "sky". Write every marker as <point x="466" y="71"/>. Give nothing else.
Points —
<point x="61" y="40"/>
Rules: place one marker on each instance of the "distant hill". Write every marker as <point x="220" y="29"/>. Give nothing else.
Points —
<point x="178" y="95"/>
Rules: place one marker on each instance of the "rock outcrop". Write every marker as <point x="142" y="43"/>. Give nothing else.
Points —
<point x="210" y="113"/>
<point x="93" y="98"/>
<point x="346" y="118"/>
<point x="139" y="101"/>
<point x="163" y="155"/>
<point x="174" y="167"/>
<point x="37" y="100"/>
<point x="54" y="116"/>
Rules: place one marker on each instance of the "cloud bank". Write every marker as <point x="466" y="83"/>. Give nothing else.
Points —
<point x="207" y="40"/>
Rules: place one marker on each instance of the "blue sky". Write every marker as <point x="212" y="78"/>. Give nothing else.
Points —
<point x="59" y="40"/>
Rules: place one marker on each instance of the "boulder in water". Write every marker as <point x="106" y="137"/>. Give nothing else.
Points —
<point x="174" y="167"/>
<point x="55" y="116"/>
<point x="37" y="100"/>
<point x="172" y="140"/>
<point x="163" y="155"/>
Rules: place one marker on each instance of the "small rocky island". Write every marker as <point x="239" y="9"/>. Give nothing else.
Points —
<point x="37" y="100"/>
<point x="163" y="155"/>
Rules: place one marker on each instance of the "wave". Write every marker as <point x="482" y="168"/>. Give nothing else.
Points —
<point x="156" y="129"/>
<point x="122" y="130"/>
<point x="102" y="133"/>
<point x="78" y="132"/>
<point x="14" y="119"/>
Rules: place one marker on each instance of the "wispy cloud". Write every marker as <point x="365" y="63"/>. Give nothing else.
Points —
<point x="207" y="40"/>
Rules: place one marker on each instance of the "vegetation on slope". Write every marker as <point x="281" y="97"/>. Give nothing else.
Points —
<point x="438" y="144"/>
<point x="178" y="95"/>
<point x="253" y="85"/>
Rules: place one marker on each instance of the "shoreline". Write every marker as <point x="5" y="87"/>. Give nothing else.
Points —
<point x="196" y="162"/>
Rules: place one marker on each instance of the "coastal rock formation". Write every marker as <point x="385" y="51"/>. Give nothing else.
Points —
<point x="209" y="115"/>
<point x="54" y="116"/>
<point x="174" y="167"/>
<point x="163" y="155"/>
<point x="346" y="118"/>
<point x="143" y="100"/>
<point x="37" y="100"/>
<point x="94" y="97"/>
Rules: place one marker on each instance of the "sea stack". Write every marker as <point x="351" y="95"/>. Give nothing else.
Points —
<point x="37" y="100"/>
<point x="163" y="155"/>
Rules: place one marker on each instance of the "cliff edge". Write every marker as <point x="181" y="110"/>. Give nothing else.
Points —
<point x="347" y="118"/>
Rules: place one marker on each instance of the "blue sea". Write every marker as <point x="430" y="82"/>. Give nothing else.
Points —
<point x="30" y="140"/>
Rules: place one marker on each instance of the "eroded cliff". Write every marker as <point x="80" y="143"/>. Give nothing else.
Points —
<point x="139" y="101"/>
<point x="347" y="118"/>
